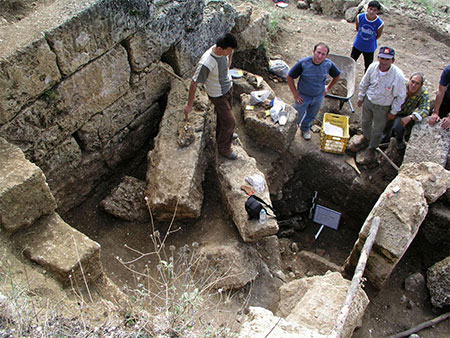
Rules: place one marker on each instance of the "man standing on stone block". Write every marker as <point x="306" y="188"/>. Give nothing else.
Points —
<point x="382" y="92"/>
<point x="312" y="74"/>
<point x="212" y="71"/>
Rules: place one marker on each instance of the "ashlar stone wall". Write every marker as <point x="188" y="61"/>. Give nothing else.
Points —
<point x="82" y="85"/>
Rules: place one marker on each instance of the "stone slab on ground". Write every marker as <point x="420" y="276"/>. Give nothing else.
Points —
<point x="427" y="144"/>
<point x="402" y="207"/>
<point x="315" y="303"/>
<point x="434" y="179"/>
<point x="232" y="175"/>
<point x="69" y="255"/>
<point x="228" y="266"/>
<point x="24" y="193"/>
<point x="127" y="201"/>
<point x="260" y="126"/>
<point x="175" y="173"/>
<point x="259" y="322"/>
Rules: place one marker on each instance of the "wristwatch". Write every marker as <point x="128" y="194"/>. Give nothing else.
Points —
<point x="411" y="117"/>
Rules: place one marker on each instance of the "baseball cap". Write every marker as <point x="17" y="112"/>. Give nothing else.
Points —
<point x="386" y="52"/>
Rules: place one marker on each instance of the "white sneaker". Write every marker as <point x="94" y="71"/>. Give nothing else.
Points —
<point x="306" y="135"/>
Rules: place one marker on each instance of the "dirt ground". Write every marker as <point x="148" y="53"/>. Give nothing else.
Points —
<point x="392" y="309"/>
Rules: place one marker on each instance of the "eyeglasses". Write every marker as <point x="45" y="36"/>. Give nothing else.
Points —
<point x="416" y="82"/>
<point x="384" y="58"/>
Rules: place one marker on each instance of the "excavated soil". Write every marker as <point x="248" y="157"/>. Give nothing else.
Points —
<point x="393" y="309"/>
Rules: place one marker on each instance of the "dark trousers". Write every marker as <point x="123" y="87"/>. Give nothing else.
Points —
<point x="395" y="128"/>
<point x="368" y="57"/>
<point x="225" y="122"/>
<point x="444" y="109"/>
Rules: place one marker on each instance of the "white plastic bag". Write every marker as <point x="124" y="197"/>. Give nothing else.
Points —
<point x="277" y="106"/>
<point x="279" y="67"/>
<point x="258" y="96"/>
<point x="257" y="182"/>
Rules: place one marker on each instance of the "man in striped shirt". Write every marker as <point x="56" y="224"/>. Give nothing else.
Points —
<point x="212" y="71"/>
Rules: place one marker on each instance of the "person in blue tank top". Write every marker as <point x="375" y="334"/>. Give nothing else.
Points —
<point x="369" y="28"/>
<point x="312" y="73"/>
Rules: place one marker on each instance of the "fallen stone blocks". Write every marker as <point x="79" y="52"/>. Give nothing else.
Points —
<point x="175" y="172"/>
<point x="68" y="254"/>
<point x="24" y="193"/>
<point x="308" y="307"/>
<point x="231" y="175"/>
<point x="438" y="282"/>
<point x="402" y="207"/>
<point x="260" y="126"/>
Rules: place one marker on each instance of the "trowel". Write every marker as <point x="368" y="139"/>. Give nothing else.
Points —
<point x="351" y="162"/>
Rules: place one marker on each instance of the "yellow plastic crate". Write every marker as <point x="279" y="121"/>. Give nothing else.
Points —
<point x="331" y="143"/>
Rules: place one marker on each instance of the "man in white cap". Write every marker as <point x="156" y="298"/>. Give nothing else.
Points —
<point x="382" y="91"/>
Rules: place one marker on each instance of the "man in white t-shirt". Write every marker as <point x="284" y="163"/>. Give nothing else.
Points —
<point x="212" y="71"/>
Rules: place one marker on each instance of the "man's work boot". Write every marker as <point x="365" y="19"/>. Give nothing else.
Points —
<point x="357" y="143"/>
<point x="368" y="156"/>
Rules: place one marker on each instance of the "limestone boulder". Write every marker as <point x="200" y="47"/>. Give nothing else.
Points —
<point x="402" y="207"/>
<point x="434" y="178"/>
<point x="315" y="303"/>
<point x="438" y="283"/>
<point x="217" y="17"/>
<point x="166" y="29"/>
<point x="260" y="126"/>
<point x="259" y="322"/>
<point x="24" y="193"/>
<point x="127" y="201"/>
<point x="175" y="173"/>
<point x="69" y="255"/>
<point x="252" y="26"/>
<point x="427" y="144"/>
<point x="228" y="266"/>
<point x="232" y="175"/>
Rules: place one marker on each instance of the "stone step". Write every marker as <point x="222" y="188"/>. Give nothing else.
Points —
<point x="231" y="175"/>
<point x="24" y="193"/>
<point x="70" y="256"/>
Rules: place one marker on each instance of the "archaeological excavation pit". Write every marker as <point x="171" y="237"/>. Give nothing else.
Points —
<point x="99" y="113"/>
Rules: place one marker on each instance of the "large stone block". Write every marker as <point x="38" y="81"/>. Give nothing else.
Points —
<point x="315" y="303"/>
<point x="252" y="26"/>
<point x="259" y="321"/>
<point x="218" y="18"/>
<point x="95" y="29"/>
<point x="232" y="175"/>
<point x="52" y="119"/>
<point x="166" y="28"/>
<point x="263" y="130"/>
<point x="24" y="76"/>
<point x="427" y="144"/>
<point x="434" y="178"/>
<point x="175" y="173"/>
<point x="402" y="207"/>
<point x="69" y="255"/>
<point x="24" y="194"/>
